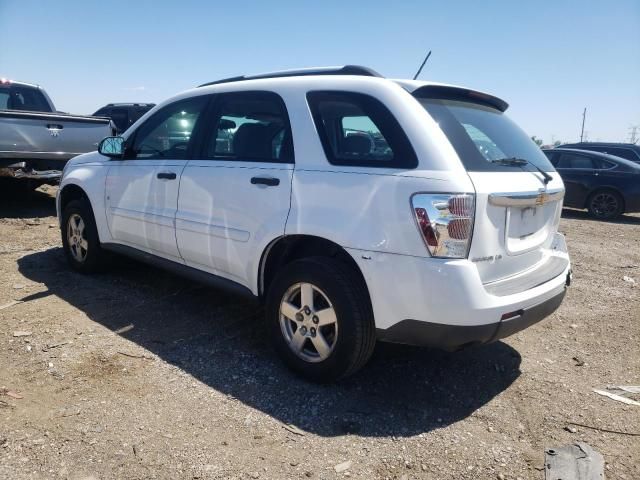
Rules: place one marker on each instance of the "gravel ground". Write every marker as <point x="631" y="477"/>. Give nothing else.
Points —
<point x="136" y="373"/>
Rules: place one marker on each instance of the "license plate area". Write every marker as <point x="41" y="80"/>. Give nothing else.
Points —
<point x="528" y="227"/>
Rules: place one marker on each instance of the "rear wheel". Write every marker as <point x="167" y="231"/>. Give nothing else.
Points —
<point x="80" y="237"/>
<point x="320" y="319"/>
<point x="605" y="204"/>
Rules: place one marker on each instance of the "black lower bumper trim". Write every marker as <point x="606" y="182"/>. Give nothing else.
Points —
<point x="455" y="337"/>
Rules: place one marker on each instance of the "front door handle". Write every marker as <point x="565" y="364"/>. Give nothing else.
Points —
<point x="268" y="181"/>
<point x="166" y="175"/>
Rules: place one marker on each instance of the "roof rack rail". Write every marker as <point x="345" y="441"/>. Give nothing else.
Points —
<point x="344" y="70"/>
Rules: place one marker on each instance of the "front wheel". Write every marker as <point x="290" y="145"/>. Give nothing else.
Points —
<point x="320" y="319"/>
<point x="606" y="205"/>
<point x="80" y="237"/>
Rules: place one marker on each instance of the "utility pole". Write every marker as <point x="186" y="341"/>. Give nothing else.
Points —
<point x="633" y="133"/>
<point x="584" y="116"/>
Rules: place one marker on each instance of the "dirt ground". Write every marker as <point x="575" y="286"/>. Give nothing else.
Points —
<point x="137" y="373"/>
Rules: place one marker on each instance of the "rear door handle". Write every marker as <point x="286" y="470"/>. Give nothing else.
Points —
<point x="166" y="175"/>
<point x="268" y="181"/>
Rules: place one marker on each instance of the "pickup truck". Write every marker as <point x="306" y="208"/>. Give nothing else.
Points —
<point x="36" y="141"/>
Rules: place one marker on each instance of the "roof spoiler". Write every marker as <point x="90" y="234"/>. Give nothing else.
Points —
<point x="456" y="93"/>
<point x="303" y="72"/>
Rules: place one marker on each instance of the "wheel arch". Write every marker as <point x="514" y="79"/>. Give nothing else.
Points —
<point x="285" y="249"/>
<point x="72" y="191"/>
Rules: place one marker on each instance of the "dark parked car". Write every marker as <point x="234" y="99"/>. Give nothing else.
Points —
<point x="124" y="114"/>
<point x="606" y="185"/>
<point x="629" y="151"/>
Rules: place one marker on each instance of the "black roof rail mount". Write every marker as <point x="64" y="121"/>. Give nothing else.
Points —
<point x="303" y="72"/>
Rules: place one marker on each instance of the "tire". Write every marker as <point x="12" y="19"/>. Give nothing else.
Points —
<point x="80" y="240"/>
<point x="351" y="338"/>
<point x="605" y="204"/>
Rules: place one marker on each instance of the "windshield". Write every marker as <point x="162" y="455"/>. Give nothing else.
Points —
<point x="481" y="135"/>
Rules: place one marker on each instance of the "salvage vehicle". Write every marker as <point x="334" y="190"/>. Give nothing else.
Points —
<point x="606" y="185"/>
<point x="36" y="141"/>
<point x="124" y="115"/>
<point x="355" y="207"/>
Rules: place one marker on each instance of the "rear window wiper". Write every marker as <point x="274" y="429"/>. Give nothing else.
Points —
<point x="520" y="162"/>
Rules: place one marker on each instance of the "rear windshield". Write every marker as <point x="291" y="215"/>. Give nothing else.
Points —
<point x="481" y="134"/>
<point x="17" y="97"/>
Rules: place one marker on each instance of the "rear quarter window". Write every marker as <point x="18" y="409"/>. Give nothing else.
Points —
<point x="358" y="130"/>
<point x="575" y="161"/>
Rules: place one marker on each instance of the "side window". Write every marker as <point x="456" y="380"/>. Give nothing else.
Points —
<point x="553" y="157"/>
<point x="358" y="130"/>
<point x="623" y="153"/>
<point x="120" y="117"/>
<point x="167" y="133"/>
<point x="4" y="98"/>
<point x="103" y="112"/>
<point x="603" y="164"/>
<point x="28" y="99"/>
<point x="249" y="127"/>
<point x="570" y="160"/>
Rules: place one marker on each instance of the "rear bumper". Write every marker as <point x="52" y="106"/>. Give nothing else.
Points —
<point x="444" y="303"/>
<point x="45" y="166"/>
<point x="455" y="337"/>
<point x="632" y="203"/>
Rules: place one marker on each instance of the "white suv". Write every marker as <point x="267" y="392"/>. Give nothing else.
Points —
<point x="355" y="207"/>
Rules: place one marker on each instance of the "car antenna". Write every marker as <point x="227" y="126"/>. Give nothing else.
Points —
<point x="420" y="69"/>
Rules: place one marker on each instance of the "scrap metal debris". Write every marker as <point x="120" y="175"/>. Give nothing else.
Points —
<point x="626" y="388"/>
<point x="124" y="329"/>
<point x="600" y="429"/>
<point x="134" y="355"/>
<point x="615" y="396"/>
<point x="51" y="346"/>
<point x="21" y="334"/>
<point x="293" y="429"/>
<point x="342" y="467"/>
<point x="576" y="462"/>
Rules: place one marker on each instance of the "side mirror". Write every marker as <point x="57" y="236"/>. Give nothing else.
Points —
<point x="112" y="147"/>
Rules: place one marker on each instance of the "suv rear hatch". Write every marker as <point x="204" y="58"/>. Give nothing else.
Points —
<point x="518" y="193"/>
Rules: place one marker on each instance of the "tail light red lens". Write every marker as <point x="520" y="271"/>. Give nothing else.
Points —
<point x="428" y="233"/>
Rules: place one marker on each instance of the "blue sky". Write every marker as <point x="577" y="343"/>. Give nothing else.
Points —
<point x="548" y="59"/>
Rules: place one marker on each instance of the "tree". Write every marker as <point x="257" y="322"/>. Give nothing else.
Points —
<point x="557" y="143"/>
<point x="537" y="141"/>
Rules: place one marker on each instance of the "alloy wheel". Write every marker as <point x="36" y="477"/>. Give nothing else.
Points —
<point x="604" y="204"/>
<point x="78" y="244"/>
<point x="308" y="322"/>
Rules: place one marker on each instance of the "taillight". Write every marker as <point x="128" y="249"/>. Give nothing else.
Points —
<point x="445" y="222"/>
